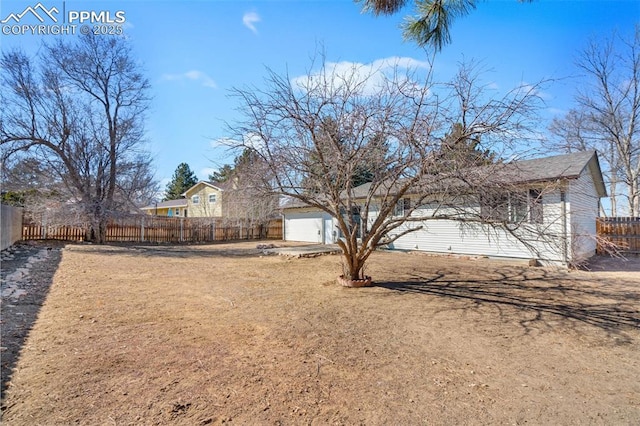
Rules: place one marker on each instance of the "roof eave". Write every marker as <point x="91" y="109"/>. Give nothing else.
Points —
<point x="209" y="184"/>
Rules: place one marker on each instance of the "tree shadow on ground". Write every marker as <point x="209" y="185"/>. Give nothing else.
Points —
<point x="25" y="286"/>
<point x="554" y="298"/>
<point x="603" y="263"/>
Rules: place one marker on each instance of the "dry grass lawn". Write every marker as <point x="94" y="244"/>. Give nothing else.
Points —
<point x="215" y="334"/>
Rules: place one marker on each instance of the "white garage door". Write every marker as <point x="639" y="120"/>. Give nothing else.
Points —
<point x="305" y="226"/>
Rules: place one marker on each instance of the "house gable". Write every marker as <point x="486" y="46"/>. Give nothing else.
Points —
<point x="204" y="199"/>
<point x="596" y="175"/>
<point x="198" y="187"/>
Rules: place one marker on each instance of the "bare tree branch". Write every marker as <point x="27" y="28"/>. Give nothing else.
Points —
<point x="316" y="133"/>
<point x="82" y="112"/>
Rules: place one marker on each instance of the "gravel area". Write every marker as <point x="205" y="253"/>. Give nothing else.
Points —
<point x="26" y="273"/>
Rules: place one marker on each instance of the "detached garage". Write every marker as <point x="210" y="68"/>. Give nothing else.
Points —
<point x="309" y="225"/>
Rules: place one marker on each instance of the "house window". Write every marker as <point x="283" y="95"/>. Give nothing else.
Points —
<point x="494" y="207"/>
<point x="535" y="203"/>
<point x="513" y="207"/>
<point x="212" y="198"/>
<point x="402" y="207"/>
<point x="195" y="199"/>
<point x="357" y="220"/>
<point x="518" y="207"/>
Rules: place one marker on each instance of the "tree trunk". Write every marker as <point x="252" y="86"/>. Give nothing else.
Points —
<point x="614" y="204"/>
<point x="634" y="199"/>
<point x="98" y="226"/>
<point x="354" y="265"/>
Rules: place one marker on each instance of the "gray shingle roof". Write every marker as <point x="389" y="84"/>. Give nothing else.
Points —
<point x="558" y="167"/>
<point x="566" y="166"/>
<point x="182" y="202"/>
<point x="546" y="169"/>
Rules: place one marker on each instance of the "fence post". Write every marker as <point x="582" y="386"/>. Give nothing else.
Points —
<point x="181" y="229"/>
<point x="142" y="230"/>
<point x="43" y="234"/>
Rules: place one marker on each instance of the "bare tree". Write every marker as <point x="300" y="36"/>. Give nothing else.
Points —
<point x="285" y="124"/>
<point x="30" y="184"/>
<point x="607" y="116"/>
<point x="248" y="197"/>
<point x="80" y="109"/>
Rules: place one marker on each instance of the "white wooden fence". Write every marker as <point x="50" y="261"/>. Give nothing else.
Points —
<point x="11" y="228"/>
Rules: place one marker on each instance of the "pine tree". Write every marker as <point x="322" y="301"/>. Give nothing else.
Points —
<point x="183" y="179"/>
<point x="461" y="149"/>
<point x="223" y="174"/>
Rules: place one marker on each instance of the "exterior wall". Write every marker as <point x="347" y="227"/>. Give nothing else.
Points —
<point x="540" y="241"/>
<point x="566" y="234"/>
<point x="11" y="227"/>
<point x="175" y="211"/>
<point x="582" y="200"/>
<point x="166" y="211"/>
<point x="204" y="208"/>
<point x="308" y="225"/>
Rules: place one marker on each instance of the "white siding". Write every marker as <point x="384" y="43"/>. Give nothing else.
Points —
<point x="567" y="233"/>
<point x="304" y="225"/>
<point x="540" y="241"/>
<point x="582" y="201"/>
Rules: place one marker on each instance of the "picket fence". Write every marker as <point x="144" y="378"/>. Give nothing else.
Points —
<point x="621" y="232"/>
<point x="155" y="229"/>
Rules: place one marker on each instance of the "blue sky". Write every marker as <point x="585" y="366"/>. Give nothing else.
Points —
<point x="195" y="51"/>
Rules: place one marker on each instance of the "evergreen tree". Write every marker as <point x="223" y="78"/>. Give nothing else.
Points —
<point x="227" y="172"/>
<point x="332" y="145"/>
<point x="183" y="179"/>
<point x="223" y="174"/>
<point x="461" y="149"/>
<point x="430" y="25"/>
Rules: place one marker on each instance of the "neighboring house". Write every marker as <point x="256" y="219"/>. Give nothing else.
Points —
<point x="563" y="194"/>
<point x="171" y="208"/>
<point x="204" y="199"/>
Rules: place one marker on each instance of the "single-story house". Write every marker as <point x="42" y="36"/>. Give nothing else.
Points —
<point x="204" y="199"/>
<point x="563" y="194"/>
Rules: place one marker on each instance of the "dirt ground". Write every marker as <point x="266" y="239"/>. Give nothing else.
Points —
<point x="212" y="334"/>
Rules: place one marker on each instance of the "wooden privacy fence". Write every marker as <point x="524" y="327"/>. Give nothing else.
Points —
<point x="161" y="230"/>
<point x="621" y="232"/>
